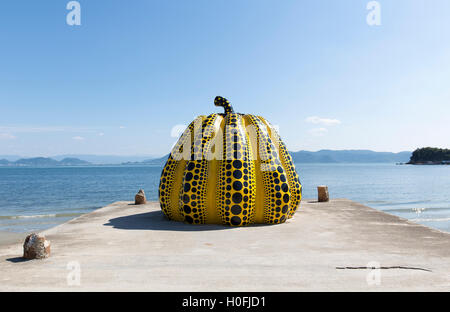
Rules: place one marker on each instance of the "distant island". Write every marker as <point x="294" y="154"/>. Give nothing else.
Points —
<point x="430" y="156"/>
<point x="322" y="156"/>
<point x="43" y="162"/>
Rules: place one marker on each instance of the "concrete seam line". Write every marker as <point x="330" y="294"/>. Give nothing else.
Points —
<point x="382" y="268"/>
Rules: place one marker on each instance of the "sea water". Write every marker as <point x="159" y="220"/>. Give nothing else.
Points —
<point x="33" y="199"/>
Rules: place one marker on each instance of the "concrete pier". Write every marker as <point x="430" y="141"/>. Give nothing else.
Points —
<point x="325" y="247"/>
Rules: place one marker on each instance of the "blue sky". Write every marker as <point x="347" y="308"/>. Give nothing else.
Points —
<point x="119" y="82"/>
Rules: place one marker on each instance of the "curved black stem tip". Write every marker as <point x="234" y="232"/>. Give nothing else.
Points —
<point x="221" y="101"/>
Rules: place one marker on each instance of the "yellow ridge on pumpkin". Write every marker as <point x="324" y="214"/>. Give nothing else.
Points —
<point x="173" y="165"/>
<point x="276" y="188"/>
<point x="193" y="198"/>
<point x="235" y="185"/>
<point x="288" y="165"/>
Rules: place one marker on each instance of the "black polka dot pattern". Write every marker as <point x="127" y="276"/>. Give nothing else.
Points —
<point x="193" y="193"/>
<point x="223" y="102"/>
<point x="236" y="185"/>
<point x="276" y="192"/>
<point x="293" y="179"/>
<point x="186" y="191"/>
<point x="167" y="175"/>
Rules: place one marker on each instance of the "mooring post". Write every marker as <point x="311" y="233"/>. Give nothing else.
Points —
<point x="322" y="191"/>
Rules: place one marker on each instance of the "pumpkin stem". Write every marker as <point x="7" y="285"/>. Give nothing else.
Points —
<point x="220" y="101"/>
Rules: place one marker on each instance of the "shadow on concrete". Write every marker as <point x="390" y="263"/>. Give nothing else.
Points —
<point x="17" y="259"/>
<point x="155" y="220"/>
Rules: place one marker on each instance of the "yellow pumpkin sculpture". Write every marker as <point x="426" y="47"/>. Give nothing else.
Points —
<point x="229" y="169"/>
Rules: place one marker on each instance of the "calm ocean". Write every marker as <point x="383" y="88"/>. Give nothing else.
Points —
<point x="33" y="199"/>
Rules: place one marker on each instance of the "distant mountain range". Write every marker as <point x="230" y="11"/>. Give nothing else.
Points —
<point x="322" y="156"/>
<point x="43" y="162"/>
<point x="94" y="159"/>
<point x="152" y="161"/>
<point x="106" y="159"/>
<point x="349" y="156"/>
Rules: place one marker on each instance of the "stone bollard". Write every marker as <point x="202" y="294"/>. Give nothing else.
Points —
<point x="36" y="247"/>
<point x="323" y="195"/>
<point x="140" y="199"/>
